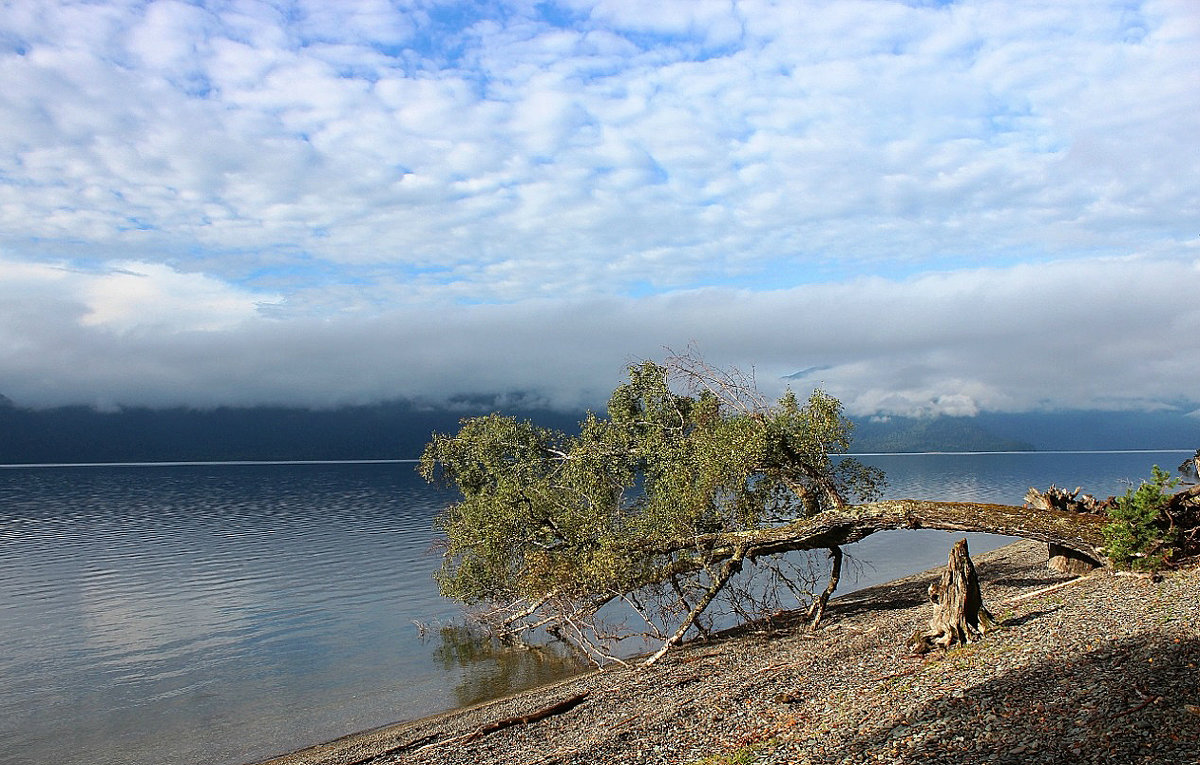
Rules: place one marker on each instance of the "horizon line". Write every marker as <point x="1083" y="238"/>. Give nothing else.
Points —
<point x="236" y="463"/>
<point x="201" y="463"/>
<point x="1022" y="451"/>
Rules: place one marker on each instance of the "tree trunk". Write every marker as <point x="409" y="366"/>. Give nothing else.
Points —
<point x="841" y="526"/>
<point x="731" y="566"/>
<point x="817" y="611"/>
<point x="959" y="613"/>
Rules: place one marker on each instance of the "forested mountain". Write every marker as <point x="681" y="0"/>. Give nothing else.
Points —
<point x="79" y="434"/>
<point x="399" y="430"/>
<point x="1039" y="431"/>
<point x="931" y="434"/>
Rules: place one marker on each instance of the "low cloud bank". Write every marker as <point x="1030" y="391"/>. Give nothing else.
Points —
<point x="1108" y="333"/>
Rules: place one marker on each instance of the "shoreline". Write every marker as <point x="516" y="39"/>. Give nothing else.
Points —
<point x="1091" y="667"/>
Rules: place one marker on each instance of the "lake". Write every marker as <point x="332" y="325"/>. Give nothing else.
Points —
<point x="225" y="613"/>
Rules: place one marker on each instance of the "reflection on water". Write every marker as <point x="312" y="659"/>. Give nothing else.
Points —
<point x="225" y="613"/>
<point x="218" y="614"/>
<point x="1004" y="478"/>
<point x="506" y="667"/>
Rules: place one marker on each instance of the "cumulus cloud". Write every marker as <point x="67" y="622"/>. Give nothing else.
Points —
<point x="694" y="142"/>
<point x="323" y="202"/>
<point x="128" y="296"/>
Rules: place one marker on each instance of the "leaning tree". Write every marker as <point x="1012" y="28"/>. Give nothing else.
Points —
<point x="653" y="511"/>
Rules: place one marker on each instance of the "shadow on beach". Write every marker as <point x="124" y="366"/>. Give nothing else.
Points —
<point x="1130" y="701"/>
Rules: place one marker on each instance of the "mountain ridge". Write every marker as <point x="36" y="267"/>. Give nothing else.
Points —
<point x="400" y="430"/>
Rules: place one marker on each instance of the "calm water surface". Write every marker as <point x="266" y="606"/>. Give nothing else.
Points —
<point x="226" y="613"/>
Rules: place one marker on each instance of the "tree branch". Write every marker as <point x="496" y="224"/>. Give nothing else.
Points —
<point x="731" y="567"/>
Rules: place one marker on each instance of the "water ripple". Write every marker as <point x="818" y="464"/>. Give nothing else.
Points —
<point x="220" y="614"/>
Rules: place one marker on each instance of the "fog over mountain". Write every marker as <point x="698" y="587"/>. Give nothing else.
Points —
<point x="1109" y="334"/>
<point x="950" y="208"/>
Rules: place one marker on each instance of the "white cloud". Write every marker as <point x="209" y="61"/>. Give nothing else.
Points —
<point x="131" y="297"/>
<point x="855" y="131"/>
<point x="167" y="37"/>
<point x="355" y="164"/>
<point x="139" y="296"/>
<point x="709" y="22"/>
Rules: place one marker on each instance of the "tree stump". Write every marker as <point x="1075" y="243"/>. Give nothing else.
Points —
<point x="959" y="613"/>
<point x="1064" y="560"/>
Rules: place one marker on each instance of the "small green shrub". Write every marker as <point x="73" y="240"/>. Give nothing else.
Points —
<point x="743" y="756"/>
<point x="1140" y="535"/>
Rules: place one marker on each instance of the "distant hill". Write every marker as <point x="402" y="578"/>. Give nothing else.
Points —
<point x="396" y="430"/>
<point x="399" y="430"/>
<point x="1040" y="431"/>
<point x="931" y="434"/>
<point x="1082" y="430"/>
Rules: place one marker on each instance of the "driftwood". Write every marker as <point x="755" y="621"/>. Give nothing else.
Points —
<point x="1183" y="513"/>
<point x="1068" y="562"/>
<point x="557" y="708"/>
<point x="1063" y="559"/>
<point x="959" y="613"/>
<point x="1055" y="498"/>
<point x="1190" y="468"/>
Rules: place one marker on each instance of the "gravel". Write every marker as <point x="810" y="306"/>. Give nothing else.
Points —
<point x="1101" y="669"/>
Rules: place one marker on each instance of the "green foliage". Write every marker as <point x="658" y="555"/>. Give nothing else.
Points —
<point x="545" y="514"/>
<point x="1141" y="536"/>
<point x="741" y="756"/>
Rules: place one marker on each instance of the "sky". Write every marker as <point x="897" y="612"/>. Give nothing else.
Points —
<point x="921" y="207"/>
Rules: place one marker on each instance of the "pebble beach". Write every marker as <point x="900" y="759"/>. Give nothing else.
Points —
<point x="1100" y="669"/>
